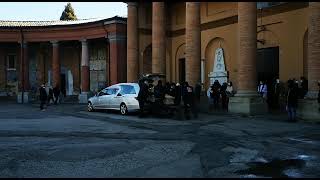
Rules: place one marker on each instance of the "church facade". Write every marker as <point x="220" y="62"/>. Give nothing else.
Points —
<point x="163" y="31"/>
<point x="242" y="42"/>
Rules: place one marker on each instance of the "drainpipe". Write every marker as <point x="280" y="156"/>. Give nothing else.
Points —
<point x="22" y="65"/>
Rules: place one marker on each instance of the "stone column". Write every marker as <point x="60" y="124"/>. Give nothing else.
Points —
<point x="117" y="44"/>
<point x="193" y="39"/>
<point x="308" y="108"/>
<point x="85" y="73"/>
<point x="132" y="42"/>
<point x="158" y="38"/>
<point x="247" y="101"/>
<point x="55" y="64"/>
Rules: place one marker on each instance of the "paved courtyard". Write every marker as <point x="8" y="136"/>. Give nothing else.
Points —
<point x="67" y="141"/>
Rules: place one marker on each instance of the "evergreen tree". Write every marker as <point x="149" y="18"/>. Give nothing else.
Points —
<point x="68" y="13"/>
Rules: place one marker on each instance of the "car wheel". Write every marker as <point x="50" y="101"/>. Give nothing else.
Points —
<point x="123" y="109"/>
<point x="90" y="107"/>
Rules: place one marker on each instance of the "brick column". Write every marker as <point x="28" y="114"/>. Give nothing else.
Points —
<point x="24" y="69"/>
<point x="132" y="42"/>
<point x="117" y="66"/>
<point x="247" y="33"/>
<point x="313" y="48"/>
<point x="55" y="64"/>
<point x="193" y="38"/>
<point x="308" y="108"/>
<point x="247" y="101"/>
<point x="85" y="72"/>
<point x="158" y="38"/>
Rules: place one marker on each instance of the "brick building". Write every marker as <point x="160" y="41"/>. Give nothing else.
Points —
<point x="255" y="40"/>
<point x="80" y="56"/>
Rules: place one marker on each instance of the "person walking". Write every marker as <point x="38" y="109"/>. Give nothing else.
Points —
<point x="50" y="96"/>
<point x="43" y="96"/>
<point x="292" y="101"/>
<point x="56" y="93"/>
<point x="262" y="90"/>
<point x="189" y="101"/>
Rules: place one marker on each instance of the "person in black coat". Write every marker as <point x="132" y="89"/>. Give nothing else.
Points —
<point x="50" y="96"/>
<point x="142" y="96"/>
<point x="292" y="101"/>
<point x="172" y="90"/>
<point x="189" y="101"/>
<point x="56" y="93"/>
<point x="276" y="93"/>
<point x="304" y="86"/>
<point x="177" y="98"/>
<point x="198" y="91"/>
<point x="43" y="96"/>
<point x="159" y="92"/>
<point x="224" y="97"/>
<point x="216" y="93"/>
<point x="184" y="92"/>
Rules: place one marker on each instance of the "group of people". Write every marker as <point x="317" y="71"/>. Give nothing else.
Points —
<point x="271" y="91"/>
<point x="156" y="96"/>
<point x="49" y="95"/>
<point x="220" y="93"/>
<point x="190" y="95"/>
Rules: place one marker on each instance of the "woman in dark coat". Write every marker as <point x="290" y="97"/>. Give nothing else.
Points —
<point x="43" y="96"/>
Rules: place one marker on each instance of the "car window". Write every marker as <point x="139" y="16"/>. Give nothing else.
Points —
<point x="127" y="89"/>
<point x="103" y="92"/>
<point x="112" y="91"/>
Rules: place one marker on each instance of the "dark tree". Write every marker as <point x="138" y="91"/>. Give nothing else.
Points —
<point x="68" y="13"/>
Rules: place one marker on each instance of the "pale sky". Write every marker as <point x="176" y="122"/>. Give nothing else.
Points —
<point x="43" y="11"/>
